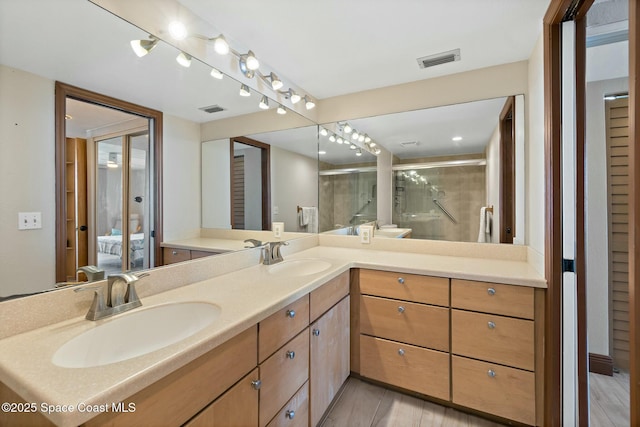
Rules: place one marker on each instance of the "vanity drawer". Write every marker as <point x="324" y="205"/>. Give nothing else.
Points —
<point x="281" y="326"/>
<point x="202" y="254"/>
<point x="295" y="412"/>
<point x="407" y="287"/>
<point x="282" y="375"/>
<point x="173" y="255"/>
<point x="407" y="322"/>
<point x="495" y="389"/>
<point x="328" y="295"/>
<point x="407" y="366"/>
<point x="493" y="338"/>
<point x="509" y="300"/>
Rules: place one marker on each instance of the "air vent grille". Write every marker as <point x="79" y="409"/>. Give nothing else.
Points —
<point x="410" y="143"/>
<point x="211" y="109"/>
<point x="439" y="58"/>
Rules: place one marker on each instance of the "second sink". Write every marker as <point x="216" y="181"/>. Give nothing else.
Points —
<point x="134" y="334"/>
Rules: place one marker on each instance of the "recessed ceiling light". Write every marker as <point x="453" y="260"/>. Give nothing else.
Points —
<point x="456" y="138"/>
<point x="321" y="152"/>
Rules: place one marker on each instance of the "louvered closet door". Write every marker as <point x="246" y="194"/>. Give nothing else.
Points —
<point x="238" y="192"/>
<point x="618" y="208"/>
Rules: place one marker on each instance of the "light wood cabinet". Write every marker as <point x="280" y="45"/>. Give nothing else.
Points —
<point x="485" y="297"/>
<point x="329" y="358"/>
<point x="172" y="255"/>
<point x="406" y="287"/>
<point x="238" y="407"/>
<point x="282" y="374"/>
<point x="281" y="326"/>
<point x="295" y="412"/>
<point x="328" y="295"/>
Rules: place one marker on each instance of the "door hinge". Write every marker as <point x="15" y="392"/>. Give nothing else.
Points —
<point x="568" y="265"/>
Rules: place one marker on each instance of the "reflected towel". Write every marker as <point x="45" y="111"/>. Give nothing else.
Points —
<point x="482" y="231"/>
<point x="309" y="218"/>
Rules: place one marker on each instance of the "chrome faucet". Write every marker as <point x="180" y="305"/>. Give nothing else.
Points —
<point x="92" y="272"/>
<point x="116" y="303"/>
<point x="254" y="242"/>
<point x="272" y="254"/>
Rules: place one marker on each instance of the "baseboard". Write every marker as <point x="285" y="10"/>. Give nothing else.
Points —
<point x="600" y="364"/>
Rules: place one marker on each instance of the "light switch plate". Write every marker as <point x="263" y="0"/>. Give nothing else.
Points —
<point x="366" y="232"/>
<point x="29" y="220"/>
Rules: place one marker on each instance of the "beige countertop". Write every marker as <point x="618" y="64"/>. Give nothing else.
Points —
<point x="207" y="244"/>
<point x="245" y="296"/>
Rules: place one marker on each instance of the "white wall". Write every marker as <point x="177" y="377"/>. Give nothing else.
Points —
<point x="596" y="236"/>
<point x="27" y="153"/>
<point x="535" y="166"/>
<point x="181" y="178"/>
<point x="216" y="184"/>
<point x="294" y="182"/>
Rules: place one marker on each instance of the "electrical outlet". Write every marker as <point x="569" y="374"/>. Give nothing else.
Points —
<point x="365" y="234"/>
<point x="276" y="210"/>
<point x="29" y="220"/>
<point x="278" y="229"/>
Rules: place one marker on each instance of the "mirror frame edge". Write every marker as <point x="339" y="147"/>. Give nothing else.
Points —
<point x="62" y="91"/>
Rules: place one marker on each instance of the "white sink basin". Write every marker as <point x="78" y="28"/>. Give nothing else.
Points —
<point x="134" y="334"/>
<point x="299" y="267"/>
<point x="396" y="233"/>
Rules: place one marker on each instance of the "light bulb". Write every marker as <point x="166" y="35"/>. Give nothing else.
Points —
<point x="359" y="152"/>
<point x="353" y="146"/>
<point x="340" y="140"/>
<point x="354" y="135"/>
<point x="371" y="143"/>
<point x="347" y="128"/>
<point x="252" y="62"/>
<point x="324" y="132"/>
<point x="177" y="30"/>
<point x="184" y="59"/>
<point x="295" y="98"/>
<point x="321" y="152"/>
<point x="366" y="138"/>
<point x="281" y="110"/>
<point x="220" y="45"/>
<point x="264" y="103"/>
<point x="361" y="138"/>
<point x="456" y="138"/>
<point x="276" y="83"/>
<point x="142" y="47"/>
<point x="244" y="90"/>
<point x="308" y="102"/>
<point x="216" y="74"/>
<point x="332" y="138"/>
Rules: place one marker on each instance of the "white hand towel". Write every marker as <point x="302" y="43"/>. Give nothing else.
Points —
<point x="310" y="218"/>
<point x="303" y="215"/>
<point x="482" y="233"/>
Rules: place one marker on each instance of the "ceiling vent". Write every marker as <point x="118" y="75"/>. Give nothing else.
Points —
<point x="410" y="143"/>
<point x="212" y="109"/>
<point x="439" y="58"/>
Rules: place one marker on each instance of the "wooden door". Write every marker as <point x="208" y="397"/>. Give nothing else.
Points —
<point x="617" y="127"/>
<point x="238" y="192"/>
<point x="329" y="353"/>
<point x="76" y="206"/>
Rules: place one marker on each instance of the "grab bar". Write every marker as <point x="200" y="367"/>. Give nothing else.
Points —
<point x="443" y="209"/>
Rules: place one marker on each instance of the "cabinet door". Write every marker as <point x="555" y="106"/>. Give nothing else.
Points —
<point x="329" y="365"/>
<point x="238" y="407"/>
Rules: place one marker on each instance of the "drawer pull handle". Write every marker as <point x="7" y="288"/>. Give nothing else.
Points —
<point x="401" y="280"/>
<point x="401" y="309"/>
<point x="291" y="313"/>
<point x="291" y="354"/>
<point x="290" y="414"/>
<point x="491" y="373"/>
<point x="491" y="291"/>
<point x="401" y="352"/>
<point x="316" y="332"/>
<point x="174" y="252"/>
<point x="491" y="325"/>
<point x="256" y="384"/>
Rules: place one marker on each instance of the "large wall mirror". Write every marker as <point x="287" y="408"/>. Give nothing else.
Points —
<point x="456" y="173"/>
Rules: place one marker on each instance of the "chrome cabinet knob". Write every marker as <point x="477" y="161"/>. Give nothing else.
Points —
<point x="491" y="291"/>
<point x="316" y="332"/>
<point x="491" y="373"/>
<point x="401" y="280"/>
<point x="291" y="313"/>
<point x="291" y="354"/>
<point x="491" y="325"/>
<point x="256" y="384"/>
<point x="174" y="252"/>
<point x="290" y="414"/>
<point x="401" y="309"/>
<point x="401" y="352"/>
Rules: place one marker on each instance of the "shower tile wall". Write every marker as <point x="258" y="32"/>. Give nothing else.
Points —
<point x="347" y="199"/>
<point x="460" y="190"/>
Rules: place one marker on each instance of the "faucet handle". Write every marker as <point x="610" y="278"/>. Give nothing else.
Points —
<point x="255" y="242"/>
<point x="97" y="305"/>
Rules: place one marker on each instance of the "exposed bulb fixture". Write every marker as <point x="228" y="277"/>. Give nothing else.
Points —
<point x="177" y="30"/>
<point x="367" y="138"/>
<point x="340" y="140"/>
<point x="353" y="146"/>
<point x="377" y="151"/>
<point x="324" y="132"/>
<point x="220" y="45"/>
<point x="184" y="59"/>
<point x="264" y="103"/>
<point x="249" y="61"/>
<point x="361" y="138"/>
<point x="295" y="98"/>
<point x="216" y="74"/>
<point x="456" y="138"/>
<point x="142" y="47"/>
<point x="355" y="135"/>
<point x="321" y="152"/>
<point x="308" y="102"/>
<point x="358" y="152"/>
<point x="244" y="90"/>
<point x="276" y="83"/>
<point x="281" y="109"/>
<point x="371" y="143"/>
<point x="332" y="138"/>
<point x="347" y="128"/>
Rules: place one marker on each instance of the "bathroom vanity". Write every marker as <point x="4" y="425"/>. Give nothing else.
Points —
<point x="288" y="335"/>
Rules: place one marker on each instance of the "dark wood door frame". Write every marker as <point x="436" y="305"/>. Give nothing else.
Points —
<point x="265" y="163"/>
<point x="507" y="171"/>
<point x="64" y="91"/>
<point x="559" y="11"/>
